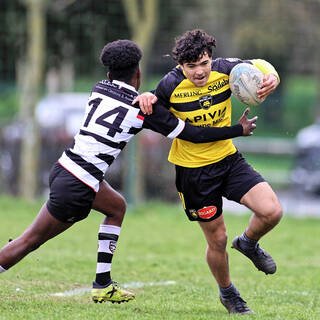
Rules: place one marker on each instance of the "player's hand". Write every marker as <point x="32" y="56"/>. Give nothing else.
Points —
<point x="269" y="84"/>
<point x="146" y="100"/>
<point x="248" y="125"/>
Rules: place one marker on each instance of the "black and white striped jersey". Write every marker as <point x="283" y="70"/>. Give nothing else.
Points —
<point x="111" y="120"/>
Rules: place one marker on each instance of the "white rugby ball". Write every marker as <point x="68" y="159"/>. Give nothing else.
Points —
<point x="244" y="80"/>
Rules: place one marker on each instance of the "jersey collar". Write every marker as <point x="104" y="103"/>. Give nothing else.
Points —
<point x="125" y="85"/>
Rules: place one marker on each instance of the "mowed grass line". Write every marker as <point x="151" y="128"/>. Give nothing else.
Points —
<point x="158" y="244"/>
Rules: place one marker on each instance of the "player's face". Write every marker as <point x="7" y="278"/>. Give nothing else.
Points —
<point x="198" y="72"/>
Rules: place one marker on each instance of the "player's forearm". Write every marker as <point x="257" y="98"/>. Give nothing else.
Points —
<point x="200" y="135"/>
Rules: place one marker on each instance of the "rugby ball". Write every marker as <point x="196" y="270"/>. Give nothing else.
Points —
<point x="244" y="80"/>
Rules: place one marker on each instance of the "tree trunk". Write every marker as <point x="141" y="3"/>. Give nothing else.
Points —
<point x="143" y="22"/>
<point x="30" y="94"/>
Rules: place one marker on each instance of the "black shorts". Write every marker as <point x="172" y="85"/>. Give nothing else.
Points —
<point x="201" y="189"/>
<point x="70" y="199"/>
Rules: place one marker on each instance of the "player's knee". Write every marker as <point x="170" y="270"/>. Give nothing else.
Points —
<point x="219" y="241"/>
<point x="273" y="214"/>
<point x="118" y="211"/>
<point x="122" y="206"/>
<point x="277" y="214"/>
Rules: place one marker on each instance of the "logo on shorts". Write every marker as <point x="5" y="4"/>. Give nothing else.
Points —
<point x="193" y="213"/>
<point x="112" y="246"/>
<point x="207" y="212"/>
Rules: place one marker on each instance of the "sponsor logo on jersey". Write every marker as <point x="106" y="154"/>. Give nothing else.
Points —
<point x="208" y="117"/>
<point x="218" y="85"/>
<point x="193" y="213"/>
<point x="112" y="246"/>
<point x="207" y="212"/>
<point x="188" y="94"/>
<point x="206" y="102"/>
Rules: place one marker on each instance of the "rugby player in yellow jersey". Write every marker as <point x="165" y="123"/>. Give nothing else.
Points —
<point x="198" y="92"/>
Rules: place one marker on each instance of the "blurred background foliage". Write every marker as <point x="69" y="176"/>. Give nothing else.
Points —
<point x="284" y="32"/>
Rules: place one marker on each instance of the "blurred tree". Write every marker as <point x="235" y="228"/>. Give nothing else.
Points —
<point x="78" y="30"/>
<point x="143" y="22"/>
<point x="142" y="19"/>
<point x="33" y="71"/>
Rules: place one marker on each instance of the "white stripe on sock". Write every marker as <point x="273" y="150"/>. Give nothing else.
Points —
<point x="106" y="228"/>
<point x="103" y="267"/>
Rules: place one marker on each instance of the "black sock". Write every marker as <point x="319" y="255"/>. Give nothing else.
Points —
<point x="229" y="292"/>
<point x="247" y="243"/>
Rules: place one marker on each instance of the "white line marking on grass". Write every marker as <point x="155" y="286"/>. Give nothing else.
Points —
<point x="74" y="292"/>
<point x="79" y="291"/>
<point x="148" y="284"/>
<point x="285" y="292"/>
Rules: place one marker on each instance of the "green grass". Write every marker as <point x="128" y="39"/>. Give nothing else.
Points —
<point x="158" y="244"/>
<point x="263" y="162"/>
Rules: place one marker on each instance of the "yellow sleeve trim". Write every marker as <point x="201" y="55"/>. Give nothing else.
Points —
<point x="265" y="67"/>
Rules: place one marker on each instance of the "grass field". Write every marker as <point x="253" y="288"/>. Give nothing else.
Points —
<point x="160" y="256"/>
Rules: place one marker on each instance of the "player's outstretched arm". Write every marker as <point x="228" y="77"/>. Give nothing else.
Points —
<point x="164" y="122"/>
<point x="195" y="134"/>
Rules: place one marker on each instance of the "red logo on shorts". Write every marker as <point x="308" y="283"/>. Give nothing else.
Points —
<point x="207" y="212"/>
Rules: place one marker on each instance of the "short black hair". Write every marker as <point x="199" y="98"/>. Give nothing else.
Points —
<point x="122" y="58"/>
<point x="191" y="45"/>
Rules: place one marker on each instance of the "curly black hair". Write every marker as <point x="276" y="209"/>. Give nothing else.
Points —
<point x="122" y="58"/>
<point x="191" y="45"/>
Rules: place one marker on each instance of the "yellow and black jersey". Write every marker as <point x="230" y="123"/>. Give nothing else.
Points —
<point x="207" y="106"/>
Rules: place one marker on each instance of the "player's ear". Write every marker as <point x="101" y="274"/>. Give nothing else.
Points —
<point x="109" y="76"/>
